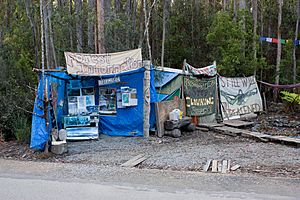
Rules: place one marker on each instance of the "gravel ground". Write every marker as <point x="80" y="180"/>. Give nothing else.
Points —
<point x="189" y="153"/>
<point x="242" y="186"/>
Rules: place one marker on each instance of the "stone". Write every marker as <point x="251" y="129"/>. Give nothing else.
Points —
<point x="59" y="148"/>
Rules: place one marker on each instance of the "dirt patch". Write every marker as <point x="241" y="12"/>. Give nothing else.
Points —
<point x="189" y="153"/>
<point x="279" y="121"/>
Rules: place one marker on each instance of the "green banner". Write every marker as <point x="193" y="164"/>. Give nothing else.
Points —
<point x="200" y="96"/>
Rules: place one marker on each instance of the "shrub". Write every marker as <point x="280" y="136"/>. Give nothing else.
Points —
<point x="292" y="99"/>
<point x="22" y="129"/>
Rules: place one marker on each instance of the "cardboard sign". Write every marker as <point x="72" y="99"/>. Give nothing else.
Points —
<point x="200" y="96"/>
<point x="239" y="96"/>
<point x="103" y="64"/>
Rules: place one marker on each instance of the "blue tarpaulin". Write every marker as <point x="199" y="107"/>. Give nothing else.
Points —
<point x="40" y="133"/>
<point x="126" y="122"/>
<point x="162" y="78"/>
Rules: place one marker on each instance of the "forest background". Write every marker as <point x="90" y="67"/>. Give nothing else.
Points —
<point x="200" y="31"/>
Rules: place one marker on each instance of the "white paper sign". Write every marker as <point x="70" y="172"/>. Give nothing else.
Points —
<point x="108" y="81"/>
<point x="239" y="96"/>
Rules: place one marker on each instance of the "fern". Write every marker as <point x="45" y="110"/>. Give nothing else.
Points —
<point x="292" y="98"/>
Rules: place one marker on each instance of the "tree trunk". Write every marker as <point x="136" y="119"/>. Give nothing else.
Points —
<point x="34" y="32"/>
<point x="234" y="10"/>
<point x="261" y="33"/>
<point x="165" y="19"/>
<point x="46" y="34"/>
<point x="71" y="24"/>
<point x="52" y="46"/>
<point x="242" y="6"/>
<point x="214" y="5"/>
<point x="254" y="12"/>
<point x="118" y="5"/>
<point x="147" y="20"/>
<point x="278" y="59"/>
<point x="142" y="15"/>
<point x="296" y="38"/>
<point x="225" y="5"/>
<point x="100" y="28"/>
<point x="134" y="22"/>
<point x="128" y="30"/>
<point x="107" y="9"/>
<point x="207" y="5"/>
<point x="42" y="38"/>
<point x="91" y="9"/>
<point x="78" y="10"/>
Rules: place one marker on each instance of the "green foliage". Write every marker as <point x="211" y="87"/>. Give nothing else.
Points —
<point x="16" y="62"/>
<point x="232" y="45"/>
<point x="186" y="36"/>
<point x="22" y="129"/>
<point x="292" y="98"/>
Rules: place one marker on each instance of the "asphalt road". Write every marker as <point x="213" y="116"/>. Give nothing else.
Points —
<point x="38" y="180"/>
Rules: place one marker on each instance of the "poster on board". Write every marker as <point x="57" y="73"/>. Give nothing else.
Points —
<point x="239" y="96"/>
<point x="200" y="96"/>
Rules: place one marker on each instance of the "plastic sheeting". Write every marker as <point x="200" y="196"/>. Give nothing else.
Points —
<point x="40" y="133"/>
<point x="127" y="122"/>
<point x="153" y="99"/>
<point x="162" y="78"/>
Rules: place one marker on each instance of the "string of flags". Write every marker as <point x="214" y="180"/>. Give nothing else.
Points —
<point x="275" y="40"/>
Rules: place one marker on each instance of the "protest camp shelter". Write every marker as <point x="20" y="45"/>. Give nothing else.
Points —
<point x="110" y="104"/>
<point x="191" y="90"/>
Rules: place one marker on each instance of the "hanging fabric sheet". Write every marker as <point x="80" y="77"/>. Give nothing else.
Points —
<point x="239" y="96"/>
<point x="210" y="70"/>
<point x="200" y="96"/>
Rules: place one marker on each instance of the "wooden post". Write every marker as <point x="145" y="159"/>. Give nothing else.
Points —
<point x="183" y="72"/>
<point x="146" y="64"/>
<point x="46" y="105"/>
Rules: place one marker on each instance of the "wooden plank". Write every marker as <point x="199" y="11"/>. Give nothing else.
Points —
<point x="132" y="160"/>
<point x="284" y="140"/>
<point x="202" y="129"/>
<point x="214" y="167"/>
<point x="224" y="166"/>
<point x="138" y="161"/>
<point x="237" y="123"/>
<point x="159" y="124"/>
<point x="207" y="165"/>
<point x="219" y="166"/>
<point x="210" y="125"/>
<point x="255" y="135"/>
<point x="235" y="167"/>
<point x="228" y="165"/>
<point x="248" y="117"/>
<point x="228" y="130"/>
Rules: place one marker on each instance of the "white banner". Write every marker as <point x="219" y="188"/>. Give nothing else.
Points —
<point x="239" y="96"/>
<point x="103" y="64"/>
<point x="210" y="70"/>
